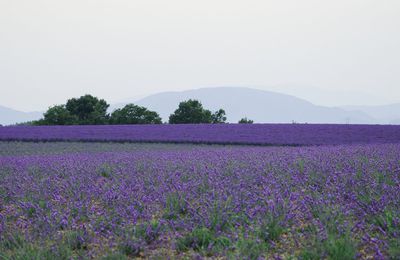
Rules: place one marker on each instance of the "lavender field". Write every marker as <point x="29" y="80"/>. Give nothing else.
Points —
<point x="63" y="200"/>
<point x="254" y="134"/>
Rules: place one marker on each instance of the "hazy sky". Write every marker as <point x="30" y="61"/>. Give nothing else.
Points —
<point x="331" y="52"/>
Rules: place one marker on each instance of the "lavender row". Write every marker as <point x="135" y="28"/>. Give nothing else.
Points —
<point x="262" y="134"/>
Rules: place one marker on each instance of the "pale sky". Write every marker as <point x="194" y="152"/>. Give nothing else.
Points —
<point x="331" y="52"/>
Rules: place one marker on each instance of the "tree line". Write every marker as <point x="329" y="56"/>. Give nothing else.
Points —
<point x="90" y="110"/>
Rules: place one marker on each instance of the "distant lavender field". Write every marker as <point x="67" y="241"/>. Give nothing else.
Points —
<point x="260" y="134"/>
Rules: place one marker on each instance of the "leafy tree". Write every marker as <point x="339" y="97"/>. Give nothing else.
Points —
<point x="190" y="112"/>
<point x="133" y="114"/>
<point x="88" y="110"/>
<point x="218" y="117"/>
<point x="57" y="115"/>
<point x="245" y="121"/>
<point x="84" y="110"/>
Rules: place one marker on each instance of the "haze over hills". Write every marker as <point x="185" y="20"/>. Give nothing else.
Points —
<point x="258" y="105"/>
<point x="10" y="116"/>
<point x="386" y="114"/>
<point x="238" y="102"/>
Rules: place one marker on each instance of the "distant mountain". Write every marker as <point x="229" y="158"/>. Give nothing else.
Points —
<point x="386" y="114"/>
<point x="238" y="102"/>
<point x="258" y="105"/>
<point x="10" y="116"/>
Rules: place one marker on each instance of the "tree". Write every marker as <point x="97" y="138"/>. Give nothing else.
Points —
<point x="57" y="115"/>
<point x="133" y="114"/>
<point x="88" y="110"/>
<point x="245" y="121"/>
<point x="190" y="112"/>
<point x="218" y="117"/>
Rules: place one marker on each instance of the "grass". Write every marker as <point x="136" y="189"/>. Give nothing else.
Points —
<point x="202" y="240"/>
<point x="149" y="231"/>
<point x="175" y="206"/>
<point x="270" y="230"/>
<point x="14" y="246"/>
<point x="106" y="171"/>
<point x="250" y="248"/>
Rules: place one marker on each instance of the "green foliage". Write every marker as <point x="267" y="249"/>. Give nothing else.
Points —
<point x="388" y="220"/>
<point x="245" y="120"/>
<point x="334" y="247"/>
<point x="133" y="114"/>
<point x="4" y="195"/>
<point x="29" y="123"/>
<point x="131" y="248"/>
<point x="338" y="244"/>
<point x="76" y="240"/>
<point x="218" y="117"/>
<point x="199" y="238"/>
<point x="202" y="239"/>
<point x="149" y="231"/>
<point x="11" y="241"/>
<point x="115" y="256"/>
<point x="248" y="248"/>
<point x="313" y="253"/>
<point x="14" y="246"/>
<point x="135" y="239"/>
<point x="271" y="230"/>
<point x="58" y="115"/>
<point x="175" y="206"/>
<point x="85" y="110"/>
<point x="273" y="224"/>
<point x="106" y="171"/>
<point x="394" y="248"/>
<point x="221" y="215"/>
<point x="340" y="247"/>
<point x="31" y="212"/>
<point x="88" y="109"/>
<point x="192" y="112"/>
<point x="33" y="252"/>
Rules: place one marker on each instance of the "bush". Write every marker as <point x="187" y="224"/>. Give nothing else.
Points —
<point x="245" y="121"/>
<point x="133" y="114"/>
<point x="192" y="112"/>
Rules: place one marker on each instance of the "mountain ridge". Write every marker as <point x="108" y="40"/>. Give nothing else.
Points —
<point x="259" y="105"/>
<point x="9" y="116"/>
<point x="262" y="106"/>
<point x="389" y="113"/>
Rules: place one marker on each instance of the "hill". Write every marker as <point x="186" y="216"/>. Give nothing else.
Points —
<point x="10" y="116"/>
<point x="259" y="105"/>
<point x="386" y="114"/>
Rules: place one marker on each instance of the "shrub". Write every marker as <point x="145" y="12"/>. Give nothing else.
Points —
<point x="133" y="114"/>
<point x="245" y="121"/>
